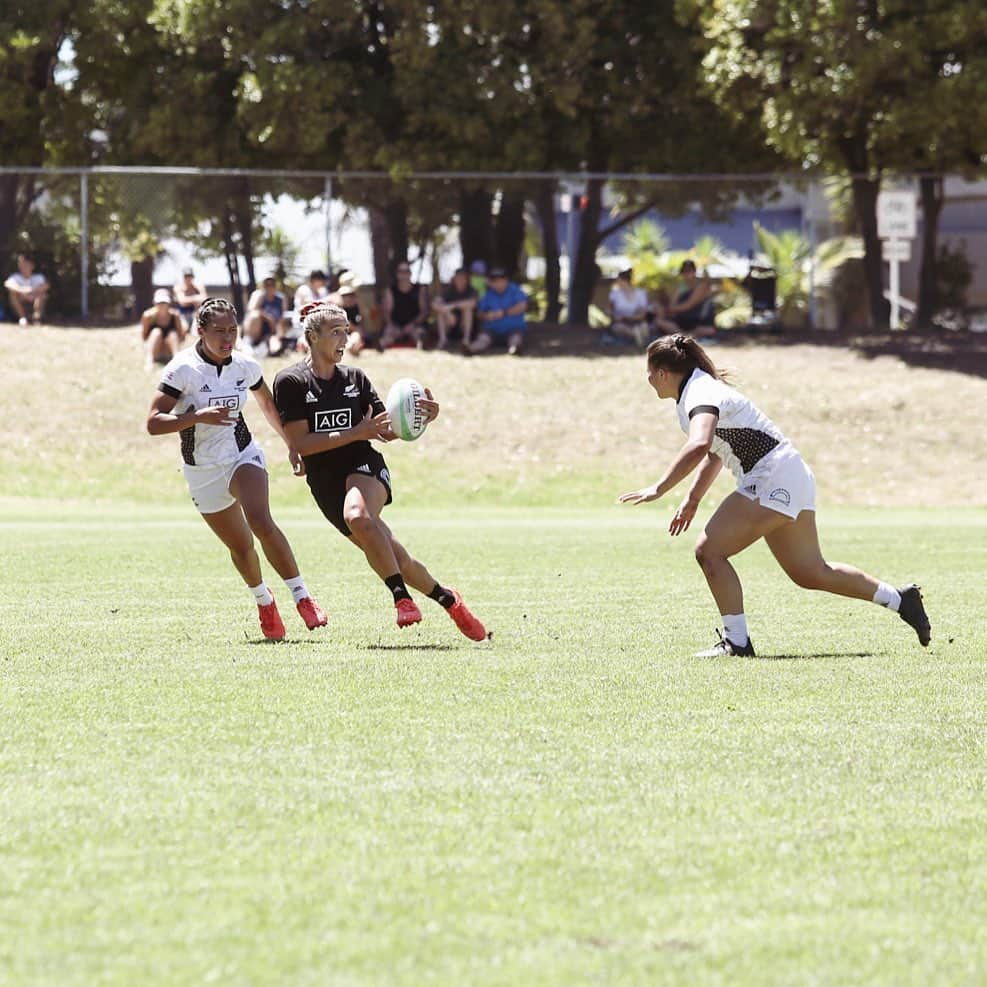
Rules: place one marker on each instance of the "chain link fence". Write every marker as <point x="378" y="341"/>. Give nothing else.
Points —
<point x="106" y="238"/>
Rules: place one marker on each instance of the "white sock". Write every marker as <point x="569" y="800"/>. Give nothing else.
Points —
<point x="297" y="587"/>
<point x="735" y="628"/>
<point x="262" y="594"/>
<point x="887" y="596"/>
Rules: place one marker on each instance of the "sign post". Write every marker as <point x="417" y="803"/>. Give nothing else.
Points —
<point x="896" y="226"/>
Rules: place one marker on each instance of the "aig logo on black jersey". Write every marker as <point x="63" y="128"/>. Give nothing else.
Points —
<point x="332" y="421"/>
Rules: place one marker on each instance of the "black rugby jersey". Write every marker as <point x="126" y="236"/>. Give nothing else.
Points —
<point x="332" y="405"/>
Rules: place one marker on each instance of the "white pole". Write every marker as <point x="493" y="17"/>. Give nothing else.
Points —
<point x="327" y="197"/>
<point x="895" y="290"/>
<point x="84" y="243"/>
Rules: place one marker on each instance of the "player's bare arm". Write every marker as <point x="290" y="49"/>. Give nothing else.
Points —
<point x="696" y="448"/>
<point x="161" y="420"/>
<point x="705" y="476"/>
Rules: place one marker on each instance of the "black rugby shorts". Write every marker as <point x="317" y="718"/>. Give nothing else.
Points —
<point x="329" y="487"/>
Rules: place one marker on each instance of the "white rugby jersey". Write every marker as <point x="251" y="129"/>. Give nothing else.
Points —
<point x="743" y="436"/>
<point x="196" y="381"/>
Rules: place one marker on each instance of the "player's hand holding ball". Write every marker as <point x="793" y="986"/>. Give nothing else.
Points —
<point x="376" y="427"/>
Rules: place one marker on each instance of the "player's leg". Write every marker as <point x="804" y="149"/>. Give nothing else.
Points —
<point x="418" y="577"/>
<point x="231" y="527"/>
<point x="363" y="501"/>
<point x="249" y="485"/>
<point x="736" y="524"/>
<point x="796" y="547"/>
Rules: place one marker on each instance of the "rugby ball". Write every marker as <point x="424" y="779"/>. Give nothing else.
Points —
<point x="407" y="419"/>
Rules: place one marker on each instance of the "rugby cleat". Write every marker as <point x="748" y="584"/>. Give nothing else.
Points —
<point x="408" y="612"/>
<point x="912" y="612"/>
<point x="725" y="648"/>
<point x="270" y="621"/>
<point x="310" y="611"/>
<point x="465" y="620"/>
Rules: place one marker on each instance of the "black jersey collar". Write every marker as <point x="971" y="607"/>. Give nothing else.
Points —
<point x="201" y="350"/>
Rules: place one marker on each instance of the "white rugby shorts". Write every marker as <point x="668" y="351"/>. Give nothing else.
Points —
<point x="781" y="481"/>
<point x="210" y="485"/>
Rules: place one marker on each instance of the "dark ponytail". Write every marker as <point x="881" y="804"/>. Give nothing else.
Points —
<point x="681" y="354"/>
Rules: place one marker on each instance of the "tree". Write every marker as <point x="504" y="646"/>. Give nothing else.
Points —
<point x="840" y="83"/>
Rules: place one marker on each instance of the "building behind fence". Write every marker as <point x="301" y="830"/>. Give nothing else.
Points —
<point x="107" y="237"/>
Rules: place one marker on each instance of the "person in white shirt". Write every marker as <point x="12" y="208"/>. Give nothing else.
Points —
<point x="27" y="291"/>
<point x="629" y="310"/>
<point x="775" y="497"/>
<point x="201" y="396"/>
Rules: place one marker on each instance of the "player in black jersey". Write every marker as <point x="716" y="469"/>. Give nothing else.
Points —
<point x="331" y="413"/>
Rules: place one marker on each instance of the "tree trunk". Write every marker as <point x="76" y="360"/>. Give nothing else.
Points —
<point x="865" y="192"/>
<point x="396" y="214"/>
<point x="9" y="187"/>
<point x="586" y="272"/>
<point x="142" y="283"/>
<point x="380" y="241"/>
<point x="931" y="190"/>
<point x="509" y="234"/>
<point x="545" y="205"/>
<point x="245" y="227"/>
<point x="476" y="233"/>
<point x="232" y="259"/>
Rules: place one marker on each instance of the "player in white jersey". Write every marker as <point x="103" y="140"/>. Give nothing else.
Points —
<point x="775" y="497"/>
<point x="201" y="396"/>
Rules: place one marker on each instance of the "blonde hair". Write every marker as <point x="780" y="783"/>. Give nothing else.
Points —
<point x="316" y="314"/>
<point x="681" y="354"/>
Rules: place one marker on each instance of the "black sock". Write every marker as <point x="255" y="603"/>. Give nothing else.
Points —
<point x="442" y="596"/>
<point x="396" y="585"/>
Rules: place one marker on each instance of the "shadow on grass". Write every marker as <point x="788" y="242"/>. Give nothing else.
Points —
<point x="408" y="647"/>
<point x="822" y="654"/>
<point x="267" y="642"/>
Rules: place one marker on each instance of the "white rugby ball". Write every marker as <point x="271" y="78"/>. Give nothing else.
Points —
<point x="407" y="419"/>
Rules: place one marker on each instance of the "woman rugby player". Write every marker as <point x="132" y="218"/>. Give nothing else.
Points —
<point x="224" y="468"/>
<point x="330" y="414"/>
<point x="774" y="499"/>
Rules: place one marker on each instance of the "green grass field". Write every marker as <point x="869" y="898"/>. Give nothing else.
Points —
<point x="575" y="801"/>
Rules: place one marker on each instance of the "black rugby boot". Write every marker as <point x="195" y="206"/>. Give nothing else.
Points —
<point x="912" y="612"/>
<point x="725" y="647"/>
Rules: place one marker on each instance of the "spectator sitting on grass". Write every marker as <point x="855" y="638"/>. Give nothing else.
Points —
<point x="405" y="310"/>
<point x="265" y="322"/>
<point x="628" y="310"/>
<point x="502" y="314"/>
<point x="162" y="330"/>
<point x="27" y="290"/>
<point x="454" y="310"/>
<point x="189" y="296"/>
<point x="692" y="310"/>
<point x="347" y="297"/>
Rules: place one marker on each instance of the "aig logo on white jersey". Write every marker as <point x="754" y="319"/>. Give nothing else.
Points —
<point x="332" y="421"/>
<point x="224" y="402"/>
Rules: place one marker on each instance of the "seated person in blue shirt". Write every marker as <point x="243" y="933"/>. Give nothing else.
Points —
<point x="501" y="311"/>
<point x="265" y="321"/>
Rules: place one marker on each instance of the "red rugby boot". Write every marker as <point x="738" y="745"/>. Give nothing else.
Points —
<point x="465" y="620"/>
<point x="270" y="621"/>
<point x="408" y="613"/>
<point x="310" y="611"/>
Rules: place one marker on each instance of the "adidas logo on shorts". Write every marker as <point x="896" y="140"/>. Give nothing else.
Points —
<point x="310" y="398"/>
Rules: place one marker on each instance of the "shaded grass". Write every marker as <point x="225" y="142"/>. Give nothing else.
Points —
<point x="575" y="801"/>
